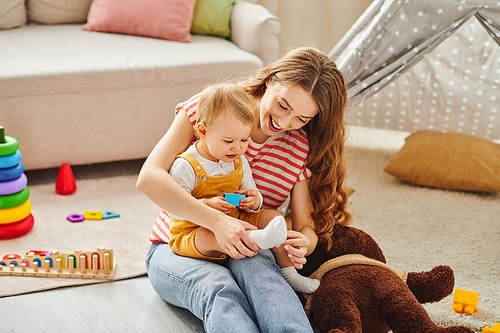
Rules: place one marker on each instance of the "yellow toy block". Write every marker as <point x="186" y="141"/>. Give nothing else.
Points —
<point x="89" y="215"/>
<point x="465" y="301"/>
<point x="494" y="329"/>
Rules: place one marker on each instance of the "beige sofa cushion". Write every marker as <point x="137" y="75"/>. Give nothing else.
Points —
<point x="58" y="11"/>
<point x="87" y="60"/>
<point x="12" y="13"/>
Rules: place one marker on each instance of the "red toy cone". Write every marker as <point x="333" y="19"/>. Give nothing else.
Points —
<point x="65" y="183"/>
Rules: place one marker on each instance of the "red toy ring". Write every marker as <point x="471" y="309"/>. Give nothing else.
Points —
<point x="17" y="229"/>
<point x="11" y="256"/>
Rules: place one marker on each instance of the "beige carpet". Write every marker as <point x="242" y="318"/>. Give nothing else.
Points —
<point x="127" y="235"/>
<point x="417" y="228"/>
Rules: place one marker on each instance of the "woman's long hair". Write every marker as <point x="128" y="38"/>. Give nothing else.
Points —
<point x="326" y="132"/>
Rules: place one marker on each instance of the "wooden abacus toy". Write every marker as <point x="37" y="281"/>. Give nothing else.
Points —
<point x="78" y="265"/>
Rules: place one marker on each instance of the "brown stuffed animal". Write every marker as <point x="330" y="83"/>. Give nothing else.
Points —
<point x="372" y="299"/>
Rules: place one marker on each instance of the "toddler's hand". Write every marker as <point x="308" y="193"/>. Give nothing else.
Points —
<point x="252" y="200"/>
<point x="220" y="204"/>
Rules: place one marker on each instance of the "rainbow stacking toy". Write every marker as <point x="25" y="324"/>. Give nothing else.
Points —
<point x="15" y="208"/>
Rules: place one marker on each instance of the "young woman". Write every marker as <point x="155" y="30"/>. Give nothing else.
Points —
<point x="296" y="147"/>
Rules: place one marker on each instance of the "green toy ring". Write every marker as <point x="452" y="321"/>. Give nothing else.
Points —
<point x="9" y="147"/>
<point x="17" y="229"/>
<point x="14" y="200"/>
<point x="15" y="214"/>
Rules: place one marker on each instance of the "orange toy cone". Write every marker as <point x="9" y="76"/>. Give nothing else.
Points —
<point x="65" y="183"/>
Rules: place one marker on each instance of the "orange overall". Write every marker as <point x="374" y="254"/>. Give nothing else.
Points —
<point x="183" y="232"/>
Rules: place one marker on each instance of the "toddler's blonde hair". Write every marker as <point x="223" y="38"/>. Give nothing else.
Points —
<point x="217" y="99"/>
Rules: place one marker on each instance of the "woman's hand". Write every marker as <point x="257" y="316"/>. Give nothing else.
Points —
<point x="220" y="204"/>
<point x="232" y="236"/>
<point x="296" y="246"/>
<point x="231" y="233"/>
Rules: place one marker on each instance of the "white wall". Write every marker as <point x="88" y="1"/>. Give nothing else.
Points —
<point x="317" y="23"/>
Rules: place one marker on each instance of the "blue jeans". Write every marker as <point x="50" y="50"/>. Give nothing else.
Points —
<point x="249" y="293"/>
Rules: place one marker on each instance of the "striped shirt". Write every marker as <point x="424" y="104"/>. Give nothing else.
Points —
<point x="277" y="165"/>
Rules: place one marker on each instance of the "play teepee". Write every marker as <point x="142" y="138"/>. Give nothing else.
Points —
<point x="445" y="56"/>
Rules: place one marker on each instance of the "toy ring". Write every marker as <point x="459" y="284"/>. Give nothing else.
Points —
<point x="11" y="160"/>
<point x="14" y="200"/>
<point x="13" y="186"/>
<point x="17" y="229"/>
<point x="15" y="214"/>
<point x="11" y="256"/>
<point x="11" y="173"/>
<point x="9" y="147"/>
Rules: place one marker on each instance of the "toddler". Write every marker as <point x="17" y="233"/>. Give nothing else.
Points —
<point x="214" y="165"/>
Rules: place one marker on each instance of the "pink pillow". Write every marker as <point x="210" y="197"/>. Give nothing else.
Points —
<point x="166" y="19"/>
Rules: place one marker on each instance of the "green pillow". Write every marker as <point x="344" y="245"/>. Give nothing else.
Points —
<point x="212" y="17"/>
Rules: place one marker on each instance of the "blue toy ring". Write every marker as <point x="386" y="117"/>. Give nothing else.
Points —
<point x="11" y="160"/>
<point x="9" y="147"/>
<point x="11" y="173"/>
<point x="13" y="186"/>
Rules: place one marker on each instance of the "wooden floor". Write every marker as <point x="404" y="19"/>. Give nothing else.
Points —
<point x="129" y="305"/>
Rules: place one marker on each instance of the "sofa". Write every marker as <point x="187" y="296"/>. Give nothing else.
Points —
<point x="74" y="96"/>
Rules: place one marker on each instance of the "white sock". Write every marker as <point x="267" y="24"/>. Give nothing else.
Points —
<point x="273" y="234"/>
<point x="298" y="282"/>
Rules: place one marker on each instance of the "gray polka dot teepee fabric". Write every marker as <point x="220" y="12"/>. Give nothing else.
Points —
<point x="425" y="65"/>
